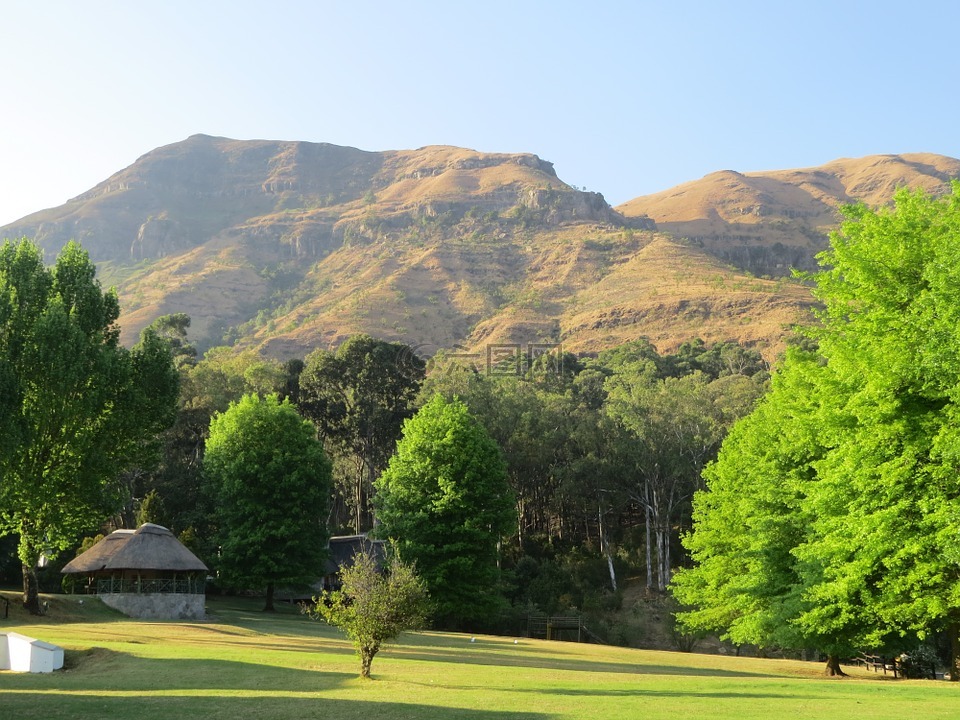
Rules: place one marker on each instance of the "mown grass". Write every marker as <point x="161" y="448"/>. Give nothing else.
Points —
<point x="245" y="663"/>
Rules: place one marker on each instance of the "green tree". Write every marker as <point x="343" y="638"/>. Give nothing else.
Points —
<point x="270" y="479"/>
<point x="358" y="397"/>
<point x="887" y="500"/>
<point x="445" y="503"/>
<point x="77" y="407"/>
<point x="747" y="585"/>
<point x="869" y="483"/>
<point x="173" y="328"/>
<point x="373" y="605"/>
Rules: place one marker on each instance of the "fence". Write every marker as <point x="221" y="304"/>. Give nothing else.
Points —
<point x="555" y="627"/>
<point x="186" y="586"/>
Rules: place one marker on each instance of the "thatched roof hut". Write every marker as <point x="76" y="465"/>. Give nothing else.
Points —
<point x="150" y="547"/>
<point x="144" y="573"/>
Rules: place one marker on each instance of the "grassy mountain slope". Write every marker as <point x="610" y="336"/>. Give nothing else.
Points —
<point x="768" y="222"/>
<point x="288" y="246"/>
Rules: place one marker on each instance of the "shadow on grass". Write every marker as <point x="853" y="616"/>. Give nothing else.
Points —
<point x="690" y="694"/>
<point x="100" y="669"/>
<point x="97" y="707"/>
<point x="512" y="659"/>
<point x="100" y="683"/>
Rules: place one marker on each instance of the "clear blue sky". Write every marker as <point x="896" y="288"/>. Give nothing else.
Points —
<point x="625" y="98"/>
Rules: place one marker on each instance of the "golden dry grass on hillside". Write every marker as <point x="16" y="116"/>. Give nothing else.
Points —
<point x="443" y="247"/>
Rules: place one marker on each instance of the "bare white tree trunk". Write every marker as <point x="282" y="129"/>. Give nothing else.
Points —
<point x="649" y="543"/>
<point x="605" y="549"/>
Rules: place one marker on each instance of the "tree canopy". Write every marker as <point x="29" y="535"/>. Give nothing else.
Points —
<point x="445" y="503"/>
<point x="831" y="513"/>
<point x="77" y="408"/>
<point x="358" y="397"/>
<point x="270" y="479"/>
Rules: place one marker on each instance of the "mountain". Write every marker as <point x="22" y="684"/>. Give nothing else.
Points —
<point x="768" y="222"/>
<point x="289" y="246"/>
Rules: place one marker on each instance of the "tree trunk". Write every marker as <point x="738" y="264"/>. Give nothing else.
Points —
<point x="954" y="630"/>
<point x="646" y="513"/>
<point x="366" y="660"/>
<point x="833" y="667"/>
<point x="661" y="558"/>
<point x="520" y="519"/>
<point x="605" y="549"/>
<point x="357" y="493"/>
<point x="664" y="546"/>
<point x="31" y="590"/>
<point x="268" y="607"/>
<point x="613" y="574"/>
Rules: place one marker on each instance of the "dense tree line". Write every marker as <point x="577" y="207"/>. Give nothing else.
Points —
<point x="603" y="456"/>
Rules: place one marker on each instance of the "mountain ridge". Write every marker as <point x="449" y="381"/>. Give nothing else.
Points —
<point x="287" y="246"/>
<point x="767" y="222"/>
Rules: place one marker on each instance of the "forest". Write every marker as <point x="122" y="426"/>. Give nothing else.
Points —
<point x="603" y="455"/>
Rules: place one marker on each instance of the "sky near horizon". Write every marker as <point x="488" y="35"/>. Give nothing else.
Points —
<point x="624" y="98"/>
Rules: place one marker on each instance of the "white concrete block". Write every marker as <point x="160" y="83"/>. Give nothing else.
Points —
<point x="4" y="653"/>
<point x="27" y="654"/>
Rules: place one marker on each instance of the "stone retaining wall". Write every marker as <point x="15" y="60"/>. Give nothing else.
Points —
<point x="157" y="606"/>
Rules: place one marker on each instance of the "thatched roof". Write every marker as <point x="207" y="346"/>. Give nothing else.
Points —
<point x="150" y="547"/>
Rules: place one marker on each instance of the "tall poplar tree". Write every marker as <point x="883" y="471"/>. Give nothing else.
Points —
<point x="271" y="485"/>
<point x="77" y="408"/>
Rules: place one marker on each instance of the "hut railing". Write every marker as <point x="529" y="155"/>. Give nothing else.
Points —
<point x="187" y="586"/>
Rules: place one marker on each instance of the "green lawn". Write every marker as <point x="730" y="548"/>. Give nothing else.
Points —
<point x="244" y="663"/>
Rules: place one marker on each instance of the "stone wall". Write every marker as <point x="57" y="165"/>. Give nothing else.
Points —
<point x="157" y="606"/>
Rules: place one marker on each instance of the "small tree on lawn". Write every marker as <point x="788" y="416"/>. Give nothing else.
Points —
<point x="373" y="605"/>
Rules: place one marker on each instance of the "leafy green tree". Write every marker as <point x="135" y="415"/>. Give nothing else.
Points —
<point x="270" y="479"/>
<point x="886" y="503"/>
<point x="358" y="397"/>
<point x="869" y="480"/>
<point x="76" y="407"/>
<point x="445" y="504"/>
<point x="747" y="584"/>
<point x="373" y="605"/>
<point x="173" y="328"/>
<point x="150" y="510"/>
<point x="223" y="375"/>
